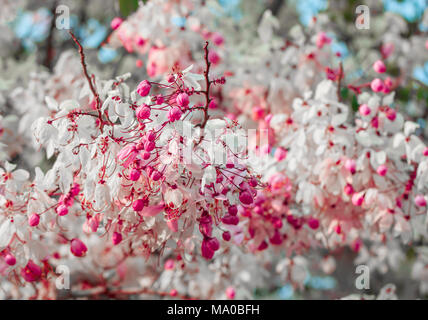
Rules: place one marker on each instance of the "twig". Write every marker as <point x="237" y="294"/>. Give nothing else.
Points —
<point x="207" y="84"/>
<point x="49" y="46"/>
<point x="89" y="79"/>
<point x="339" y="82"/>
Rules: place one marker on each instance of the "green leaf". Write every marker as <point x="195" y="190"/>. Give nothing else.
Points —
<point x="128" y="6"/>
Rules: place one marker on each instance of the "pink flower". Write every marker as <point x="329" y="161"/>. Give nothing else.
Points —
<point x="116" y="238"/>
<point x="382" y="170"/>
<point x="174" y="114"/>
<point x="34" y="220"/>
<point x="31" y="272"/>
<point x="78" y="248"/>
<point x="143" y="112"/>
<point x="276" y="238"/>
<point x="379" y="66"/>
<point x="364" y="110"/>
<point x="322" y="40"/>
<point x="420" y="201"/>
<point x="143" y="88"/>
<point x="115" y="23"/>
<point x="182" y="99"/>
<point x="377" y="85"/>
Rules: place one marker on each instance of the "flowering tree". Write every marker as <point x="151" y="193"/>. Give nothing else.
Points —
<point x="226" y="158"/>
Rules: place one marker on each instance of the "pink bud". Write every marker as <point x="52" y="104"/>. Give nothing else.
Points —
<point x="229" y="219"/>
<point x="391" y="114"/>
<point x="149" y="146"/>
<point x="62" y="210"/>
<point x="230" y="293"/>
<point x="233" y="210"/>
<point x="420" y="201"/>
<point x="156" y="175"/>
<point x="214" y="244"/>
<point x="258" y="113"/>
<point x="246" y="198"/>
<point x="313" y="223"/>
<point x="139" y="63"/>
<point x="138" y="205"/>
<point x="78" y="248"/>
<point x="322" y="39"/>
<point x="159" y="99"/>
<point x="253" y="182"/>
<point x="116" y="238"/>
<point x="212" y="104"/>
<point x="182" y="99"/>
<point x="134" y="175"/>
<point x="213" y="57"/>
<point x="174" y="114"/>
<point x="143" y="112"/>
<point x="169" y="264"/>
<point x="173" y="292"/>
<point x="348" y="189"/>
<point x="170" y="78"/>
<point x="425" y="152"/>
<point x="34" y="220"/>
<point x="387" y="49"/>
<point x="280" y="154"/>
<point x="226" y="236"/>
<point x="140" y="41"/>
<point x="379" y="66"/>
<point x="10" y="259"/>
<point x="364" y="110"/>
<point x="143" y="88"/>
<point x="377" y="85"/>
<point x="75" y="190"/>
<point x="357" y="199"/>
<point x="31" y="272"/>
<point x="217" y="39"/>
<point x="115" y="23"/>
<point x="351" y="165"/>
<point x="276" y="239"/>
<point x="382" y="170"/>
<point x="206" y="251"/>
<point x="146" y="155"/>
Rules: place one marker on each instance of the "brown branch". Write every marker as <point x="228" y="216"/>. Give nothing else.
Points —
<point x="207" y="84"/>
<point x="339" y="82"/>
<point x="49" y="46"/>
<point x="89" y="79"/>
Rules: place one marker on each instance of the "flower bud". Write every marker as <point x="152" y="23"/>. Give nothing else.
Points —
<point x="62" y="210"/>
<point x="420" y="201"/>
<point x="377" y="85"/>
<point x="134" y="175"/>
<point x="116" y="238"/>
<point x="364" y="110"/>
<point x="143" y="112"/>
<point x="382" y="170"/>
<point x="351" y="165"/>
<point x="10" y="259"/>
<point x="31" y="272"/>
<point x="379" y="66"/>
<point x="182" y="99"/>
<point x="34" y="220"/>
<point x="115" y="23"/>
<point x="143" y="88"/>
<point x="138" y="205"/>
<point x="78" y="248"/>
<point x="246" y="198"/>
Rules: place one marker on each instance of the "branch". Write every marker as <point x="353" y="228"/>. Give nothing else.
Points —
<point x="49" y="46"/>
<point x="207" y="84"/>
<point x="339" y="82"/>
<point x="89" y="79"/>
